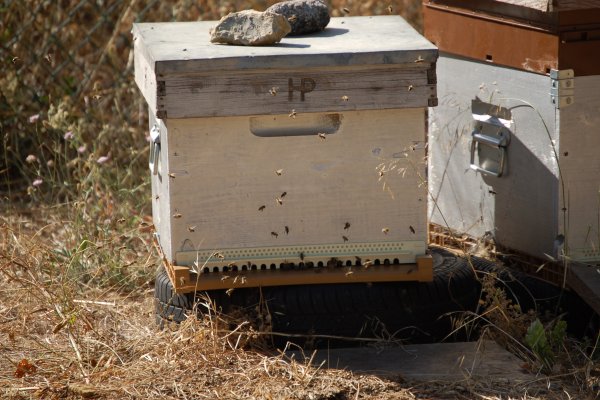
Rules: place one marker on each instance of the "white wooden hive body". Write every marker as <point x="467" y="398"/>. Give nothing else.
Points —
<point x="307" y="151"/>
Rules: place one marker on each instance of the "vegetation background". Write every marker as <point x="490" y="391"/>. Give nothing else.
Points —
<point x="76" y="260"/>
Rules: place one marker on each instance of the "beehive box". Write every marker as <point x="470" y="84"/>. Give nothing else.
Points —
<point x="514" y="141"/>
<point x="310" y="150"/>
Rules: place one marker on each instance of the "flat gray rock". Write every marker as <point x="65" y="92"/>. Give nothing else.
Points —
<point x="305" y="16"/>
<point x="250" y="28"/>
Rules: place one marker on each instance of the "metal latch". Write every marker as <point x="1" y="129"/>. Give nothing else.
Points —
<point x="154" y="149"/>
<point x="490" y="138"/>
<point x="562" y="90"/>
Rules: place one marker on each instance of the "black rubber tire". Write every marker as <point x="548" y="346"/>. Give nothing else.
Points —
<point x="410" y="311"/>
<point x="413" y="311"/>
<point x="168" y="305"/>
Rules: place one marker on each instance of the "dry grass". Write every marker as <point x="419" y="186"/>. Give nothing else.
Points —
<point x="76" y="261"/>
<point x="72" y="332"/>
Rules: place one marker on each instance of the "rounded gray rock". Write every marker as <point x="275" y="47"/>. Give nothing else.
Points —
<point x="250" y="28"/>
<point x="305" y="16"/>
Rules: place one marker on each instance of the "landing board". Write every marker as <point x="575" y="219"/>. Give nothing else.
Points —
<point x="427" y="362"/>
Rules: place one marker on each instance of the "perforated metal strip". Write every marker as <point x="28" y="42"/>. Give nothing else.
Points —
<point x="219" y="260"/>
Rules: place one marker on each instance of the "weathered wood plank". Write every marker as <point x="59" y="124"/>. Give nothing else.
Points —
<point x="306" y="90"/>
<point x="184" y="47"/>
<point x="222" y="176"/>
<point x="145" y="79"/>
<point x="427" y="362"/>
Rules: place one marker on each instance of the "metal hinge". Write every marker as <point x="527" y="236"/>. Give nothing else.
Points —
<point x="153" y="163"/>
<point x="562" y="90"/>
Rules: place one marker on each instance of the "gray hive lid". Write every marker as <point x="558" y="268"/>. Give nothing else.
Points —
<point x="184" y="47"/>
<point x="369" y="62"/>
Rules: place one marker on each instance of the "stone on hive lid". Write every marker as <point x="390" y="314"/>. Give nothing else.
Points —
<point x="250" y="28"/>
<point x="305" y="16"/>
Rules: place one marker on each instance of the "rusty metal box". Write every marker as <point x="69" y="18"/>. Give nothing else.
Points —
<point x="514" y="142"/>
<point x="531" y="35"/>
<point x="310" y="150"/>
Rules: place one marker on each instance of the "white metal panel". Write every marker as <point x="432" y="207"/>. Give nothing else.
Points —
<point x="580" y="165"/>
<point x="519" y="208"/>
<point x="223" y="175"/>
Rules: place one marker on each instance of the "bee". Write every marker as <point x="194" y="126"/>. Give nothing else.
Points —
<point x="283" y="195"/>
<point x="15" y="59"/>
<point x="219" y="255"/>
<point x="156" y="197"/>
<point x="419" y="59"/>
<point x="321" y="135"/>
<point x="345" y="238"/>
<point x="293" y="18"/>
<point x="390" y="9"/>
<point x="278" y="172"/>
<point x="48" y="58"/>
<point x="367" y="264"/>
<point x="229" y="291"/>
<point x="273" y="91"/>
<point x="345" y="98"/>
<point x="381" y="173"/>
<point x="349" y="273"/>
<point x="121" y="220"/>
<point x="346" y="10"/>
<point x="261" y="208"/>
<point x="279" y="201"/>
<point x="287" y="230"/>
<point x="275" y="234"/>
<point x="412" y="230"/>
<point x="358" y="259"/>
<point x="347" y="226"/>
<point x="385" y="231"/>
<point x="224" y="278"/>
<point x="410" y="87"/>
<point x="192" y="228"/>
<point x="177" y="215"/>
<point x="242" y="280"/>
<point x="301" y="255"/>
<point x="292" y="114"/>
<point x="171" y="175"/>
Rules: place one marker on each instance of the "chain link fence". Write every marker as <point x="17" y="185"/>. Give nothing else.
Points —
<point x="67" y="78"/>
<point x="68" y="74"/>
